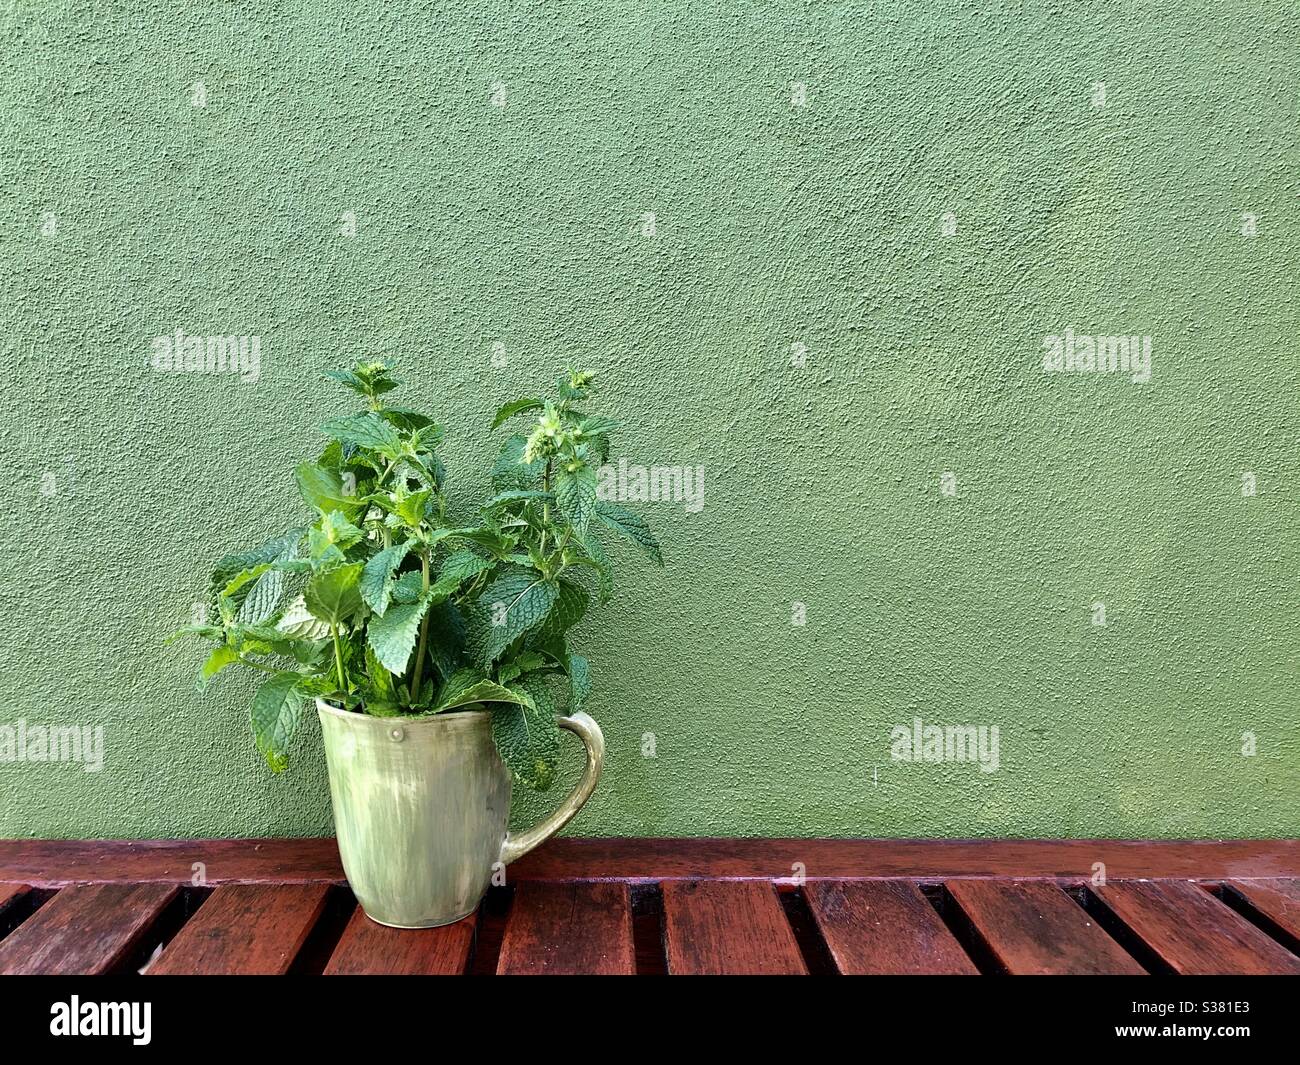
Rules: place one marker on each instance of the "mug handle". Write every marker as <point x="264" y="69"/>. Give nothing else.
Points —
<point x="586" y="729"/>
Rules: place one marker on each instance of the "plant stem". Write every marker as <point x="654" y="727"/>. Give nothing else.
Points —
<point x="424" y="631"/>
<point x="546" y="507"/>
<point x="258" y="665"/>
<point x="338" y="658"/>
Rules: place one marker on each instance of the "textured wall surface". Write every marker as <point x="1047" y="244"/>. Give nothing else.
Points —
<point x="866" y="219"/>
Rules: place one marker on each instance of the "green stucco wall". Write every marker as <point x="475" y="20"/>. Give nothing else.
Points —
<point x="949" y="188"/>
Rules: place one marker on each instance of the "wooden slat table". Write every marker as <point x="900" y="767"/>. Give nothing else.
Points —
<point x="689" y="906"/>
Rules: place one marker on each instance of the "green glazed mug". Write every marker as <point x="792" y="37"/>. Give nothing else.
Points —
<point x="422" y="805"/>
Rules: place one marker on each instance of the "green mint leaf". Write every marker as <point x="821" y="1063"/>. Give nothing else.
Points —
<point x="334" y="595"/>
<point x="515" y="602"/>
<point x="527" y="736"/>
<point x="517" y="407"/>
<point x="569" y="608"/>
<point x="322" y="489"/>
<point x="575" y="492"/>
<point x="368" y="431"/>
<point x="393" y="636"/>
<point x="276" y="710"/>
<point x="219" y="659"/>
<point x="579" y="682"/>
<point x="631" y="525"/>
<point x="262" y="599"/>
<point x="299" y="623"/>
<point x="510" y="470"/>
<point x="484" y="691"/>
<point x="377" y="576"/>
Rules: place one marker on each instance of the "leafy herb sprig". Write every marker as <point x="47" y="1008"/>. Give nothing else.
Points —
<point x="383" y="606"/>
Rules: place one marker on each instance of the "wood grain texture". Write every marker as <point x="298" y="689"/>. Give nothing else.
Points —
<point x="52" y="863"/>
<point x="371" y="949"/>
<point x="1193" y="932"/>
<point x="84" y="930"/>
<point x="728" y="927"/>
<point x="1036" y="929"/>
<point x="250" y="929"/>
<point x="11" y="893"/>
<point x="884" y="927"/>
<point x="566" y="929"/>
<point x="1278" y="900"/>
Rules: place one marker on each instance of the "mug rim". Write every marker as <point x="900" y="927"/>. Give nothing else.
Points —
<point x="352" y="715"/>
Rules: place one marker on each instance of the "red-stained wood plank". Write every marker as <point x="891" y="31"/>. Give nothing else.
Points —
<point x="371" y="949"/>
<point x="224" y="861"/>
<point x="569" y="929"/>
<point x="84" y="930"/>
<point x="728" y="927"/>
<point x="884" y="928"/>
<point x="11" y="893"/>
<point x="1036" y="929"/>
<point x="52" y="863"/>
<point x="1278" y="900"/>
<point x="1193" y="932"/>
<point x="251" y="929"/>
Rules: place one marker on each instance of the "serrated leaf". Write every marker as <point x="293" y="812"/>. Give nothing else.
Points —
<point x="446" y="637"/>
<point x="579" y="682"/>
<point x="322" y="489"/>
<point x="298" y="623"/>
<point x="219" y="659"/>
<point x="203" y="632"/>
<point x="381" y="681"/>
<point x="457" y="681"/>
<point x="518" y="406"/>
<point x="631" y="525"/>
<point x="597" y="425"/>
<point x="483" y="691"/>
<point x="570" y="606"/>
<point x="377" y="576"/>
<point x="262" y="599"/>
<point x="510" y="470"/>
<point x="575" y="492"/>
<point x="232" y="565"/>
<point x="368" y="431"/>
<point x="410" y="508"/>
<point x="410" y="586"/>
<point x="334" y="595"/>
<point x="410" y="420"/>
<point x="277" y="707"/>
<point x="599" y="561"/>
<point x="332" y="531"/>
<point x="515" y="602"/>
<point x="461" y="565"/>
<point x="346" y="378"/>
<point x="527" y="737"/>
<point x="393" y="636"/>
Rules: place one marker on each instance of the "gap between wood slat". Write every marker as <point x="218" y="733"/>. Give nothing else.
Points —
<point x="1194" y="932"/>
<point x="648" y="929"/>
<point x="816" y="954"/>
<point x="1034" y="928"/>
<point x="18" y="903"/>
<point x="493" y="916"/>
<point x="1272" y="908"/>
<point x="314" y="955"/>
<point x="87" y="930"/>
